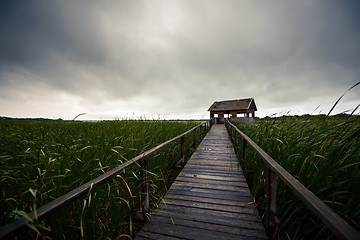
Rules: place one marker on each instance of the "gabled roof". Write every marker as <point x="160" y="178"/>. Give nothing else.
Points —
<point x="233" y="105"/>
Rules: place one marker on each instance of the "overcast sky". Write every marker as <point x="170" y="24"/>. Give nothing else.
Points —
<point x="172" y="59"/>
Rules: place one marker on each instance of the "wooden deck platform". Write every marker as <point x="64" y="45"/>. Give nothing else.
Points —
<point x="210" y="198"/>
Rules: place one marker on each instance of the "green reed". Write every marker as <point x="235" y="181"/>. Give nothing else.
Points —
<point x="323" y="153"/>
<point x="41" y="161"/>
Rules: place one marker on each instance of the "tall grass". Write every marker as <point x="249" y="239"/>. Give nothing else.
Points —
<point x="41" y="161"/>
<point x="323" y="153"/>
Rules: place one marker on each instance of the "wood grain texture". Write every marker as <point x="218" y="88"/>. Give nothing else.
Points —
<point x="210" y="198"/>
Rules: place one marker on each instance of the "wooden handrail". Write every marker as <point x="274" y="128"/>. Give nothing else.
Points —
<point x="12" y="229"/>
<point x="333" y="221"/>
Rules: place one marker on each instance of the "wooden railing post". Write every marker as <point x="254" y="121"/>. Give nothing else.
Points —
<point x="145" y="204"/>
<point x="243" y="153"/>
<point x="182" y="150"/>
<point x="236" y="138"/>
<point x="203" y="130"/>
<point x="233" y="134"/>
<point x="194" y="142"/>
<point x="271" y="220"/>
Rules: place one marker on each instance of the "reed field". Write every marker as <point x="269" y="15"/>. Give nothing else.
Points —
<point x="42" y="160"/>
<point x="323" y="153"/>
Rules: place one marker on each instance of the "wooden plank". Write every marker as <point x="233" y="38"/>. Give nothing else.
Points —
<point x="210" y="169"/>
<point x="213" y="182"/>
<point x="212" y="177"/>
<point x="211" y="172"/>
<point x="224" y="186"/>
<point x="209" y="199"/>
<point x="210" y="215"/>
<point x="221" y="220"/>
<point x="211" y="166"/>
<point x="246" y="209"/>
<point x="193" y="232"/>
<point x="239" y="193"/>
<point x="220" y="227"/>
<point x="213" y="195"/>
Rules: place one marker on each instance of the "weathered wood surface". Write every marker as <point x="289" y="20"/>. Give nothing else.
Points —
<point x="209" y="199"/>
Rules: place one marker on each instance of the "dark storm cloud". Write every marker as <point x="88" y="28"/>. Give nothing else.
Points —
<point x="279" y="41"/>
<point x="177" y="55"/>
<point x="32" y="30"/>
<point x="58" y="41"/>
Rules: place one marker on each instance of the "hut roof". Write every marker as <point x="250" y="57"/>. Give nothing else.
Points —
<point x="233" y="105"/>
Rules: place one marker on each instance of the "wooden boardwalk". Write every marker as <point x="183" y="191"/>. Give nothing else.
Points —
<point x="210" y="198"/>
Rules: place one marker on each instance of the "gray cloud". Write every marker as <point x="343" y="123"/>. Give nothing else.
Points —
<point x="175" y="56"/>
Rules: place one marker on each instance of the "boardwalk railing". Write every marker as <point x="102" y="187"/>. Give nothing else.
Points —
<point x="274" y="172"/>
<point x="17" y="227"/>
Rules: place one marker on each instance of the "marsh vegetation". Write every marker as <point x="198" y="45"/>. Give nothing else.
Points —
<point x="42" y="160"/>
<point x="323" y="153"/>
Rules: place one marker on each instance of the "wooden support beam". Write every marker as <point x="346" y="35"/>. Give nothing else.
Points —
<point x="145" y="200"/>
<point x="182" y="150"/>
<point x="271" y="221"/>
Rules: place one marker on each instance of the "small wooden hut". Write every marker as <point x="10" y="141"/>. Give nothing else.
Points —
<point x="239" y="110"/>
